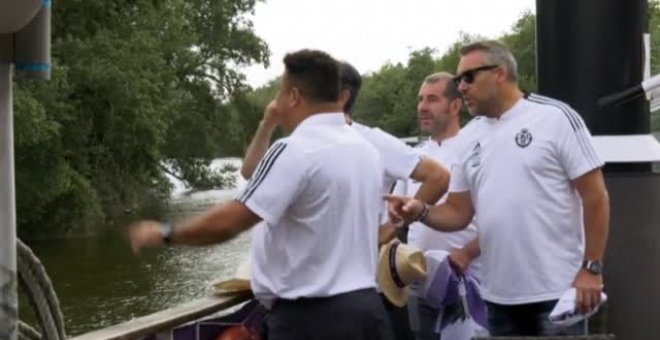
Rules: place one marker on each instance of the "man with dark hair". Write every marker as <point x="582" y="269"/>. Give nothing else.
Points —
<point x="350" y="81"/>
<point x="317" y="192"/>
<point x="401" y="162"/>
<point x="531" y="177"/>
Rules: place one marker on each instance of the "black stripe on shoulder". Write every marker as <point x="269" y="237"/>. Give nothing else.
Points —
<point x="571" y="115"/>
<point x="576" y="123"/>
<point x="262" y="170"/>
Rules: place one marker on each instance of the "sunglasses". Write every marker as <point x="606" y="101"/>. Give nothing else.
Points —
<point x="468" y="76"/>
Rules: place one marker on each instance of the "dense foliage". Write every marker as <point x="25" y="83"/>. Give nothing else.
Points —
<point x="144" y="87"/>
<point x="137" y="88"/>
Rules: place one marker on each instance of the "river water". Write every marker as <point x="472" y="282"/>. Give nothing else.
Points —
<point x="100" y="282"/>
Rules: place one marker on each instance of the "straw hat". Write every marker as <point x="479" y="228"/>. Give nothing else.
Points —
<point x="399" y="265"/>
<point x="237" y="284"/>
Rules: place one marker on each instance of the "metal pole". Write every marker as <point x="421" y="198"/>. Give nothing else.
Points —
<point x="587" y="49"/>
<point x="8" y="293"/>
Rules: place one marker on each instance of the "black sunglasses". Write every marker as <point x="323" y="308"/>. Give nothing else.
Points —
<point x="468" y="76"/>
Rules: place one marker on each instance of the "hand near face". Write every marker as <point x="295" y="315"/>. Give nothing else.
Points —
<point x="272" y="116"/>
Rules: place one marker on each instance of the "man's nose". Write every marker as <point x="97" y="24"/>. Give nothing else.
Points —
<point x="463" y="86"/>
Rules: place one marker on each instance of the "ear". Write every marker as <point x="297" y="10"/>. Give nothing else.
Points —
<point x="344" y="95"/>
<point x="501" y="75"/>
<point x="456" y="106"/>
<point x="296" y="97"/>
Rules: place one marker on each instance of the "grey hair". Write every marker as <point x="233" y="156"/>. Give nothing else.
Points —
<point x="496" y="54"/>
<point x="451" y="89"/>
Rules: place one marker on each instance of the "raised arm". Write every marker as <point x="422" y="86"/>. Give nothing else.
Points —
<point x="217" y="225"/>
<point x="434" y="178"/>
<point x="452" y="215"/>
<point x="261" y="141"/>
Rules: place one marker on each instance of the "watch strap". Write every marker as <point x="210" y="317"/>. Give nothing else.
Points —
<point x="166" y="231"/>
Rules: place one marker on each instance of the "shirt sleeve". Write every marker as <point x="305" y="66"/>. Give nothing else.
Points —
<point x="458" y="180"/>
<point x="399" y="159"/>
<point x="401" y="188"/>
<point x="461" y="152"/>
<point x="574" y="145"/>
<point x="276" y="183"/>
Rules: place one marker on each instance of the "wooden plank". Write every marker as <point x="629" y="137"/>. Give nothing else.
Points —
<point x="165" y="319"/>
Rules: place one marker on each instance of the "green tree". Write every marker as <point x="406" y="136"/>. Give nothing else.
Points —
<point x="247" y="108"/>
<point x="388" y="97"/>
<point x="138" y="86"/>
<point x="448" y="61"/>
<point x="522" y="42"/>
<point x="379" y="94"/>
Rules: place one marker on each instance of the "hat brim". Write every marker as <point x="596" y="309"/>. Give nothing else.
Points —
<point x="396" y="295"/>
<point x="232" y="286"/>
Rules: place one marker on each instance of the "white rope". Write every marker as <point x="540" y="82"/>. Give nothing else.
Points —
<point x="36" y="284"/>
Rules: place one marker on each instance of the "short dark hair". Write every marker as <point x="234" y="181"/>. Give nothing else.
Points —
<point x="315" y="73"/>
<point x="349" y="79"/>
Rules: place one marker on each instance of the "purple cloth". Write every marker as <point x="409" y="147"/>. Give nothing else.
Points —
<point x="443" y="293"/>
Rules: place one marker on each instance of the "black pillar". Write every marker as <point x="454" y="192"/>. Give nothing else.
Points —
<point x="587" y="49"/>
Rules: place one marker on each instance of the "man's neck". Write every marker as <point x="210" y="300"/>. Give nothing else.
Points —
<point x="509" y="98"/>
<point x="323" y="108"/>
<point x="311" y="110"/>
<point x="447" y="133"/>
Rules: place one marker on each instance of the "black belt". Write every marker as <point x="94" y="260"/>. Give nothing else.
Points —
<point x="318" y="299"/>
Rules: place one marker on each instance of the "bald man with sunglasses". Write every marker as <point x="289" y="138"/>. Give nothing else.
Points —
<point x="531" y="178"/>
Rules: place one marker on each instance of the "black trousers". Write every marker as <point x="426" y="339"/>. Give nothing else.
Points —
<point x="356" y="315"/>
<point x="529" y="319"/>
<point x="399" y="319"/>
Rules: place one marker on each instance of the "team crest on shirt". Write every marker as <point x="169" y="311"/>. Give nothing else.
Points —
<point x="475" y="156"/>
<point x="524" y="138"/>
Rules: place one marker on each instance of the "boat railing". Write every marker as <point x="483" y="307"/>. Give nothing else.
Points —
<point x="163" y="321"/>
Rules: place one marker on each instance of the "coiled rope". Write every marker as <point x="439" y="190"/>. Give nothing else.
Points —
<point x="35" y="283"/>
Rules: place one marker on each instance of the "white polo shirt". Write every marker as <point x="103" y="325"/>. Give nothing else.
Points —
<point x="420" y="235"/>
<point x="319" y="194"/>
<point x="399" y="159"/>
<point x="518" y="169"/>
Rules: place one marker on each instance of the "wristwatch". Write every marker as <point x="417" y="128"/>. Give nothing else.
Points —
<point x="166" y="231"/>
<point x="593" y="266"/>
<point x="424" y="214"/>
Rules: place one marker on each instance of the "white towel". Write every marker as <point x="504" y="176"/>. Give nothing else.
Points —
<point x="565" y="313"/>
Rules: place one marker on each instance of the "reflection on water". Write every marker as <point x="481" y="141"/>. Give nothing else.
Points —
<point x="100" y="283"/>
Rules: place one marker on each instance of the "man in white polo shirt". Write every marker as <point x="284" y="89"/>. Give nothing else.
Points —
<point x="401" y="162"/>
<point x="318" y="192"/>
<point x="531" y="177"/>
<point x="438" y="110"/>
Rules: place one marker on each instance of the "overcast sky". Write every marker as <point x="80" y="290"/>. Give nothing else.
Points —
<point x="370" y="33"/>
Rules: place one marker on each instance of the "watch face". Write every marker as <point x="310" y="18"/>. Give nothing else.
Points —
<point x="595" y="267"/>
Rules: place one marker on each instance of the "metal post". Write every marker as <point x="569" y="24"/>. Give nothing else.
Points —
<point x="8" y="293"/>
<point x="587" y="49"/>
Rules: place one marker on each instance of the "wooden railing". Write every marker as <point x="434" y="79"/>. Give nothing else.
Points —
<point x="166" y="319"/>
